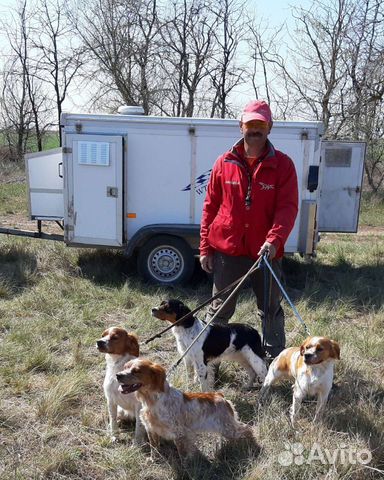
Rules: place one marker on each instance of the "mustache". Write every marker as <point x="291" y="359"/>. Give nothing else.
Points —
<point x="253" y="134"/>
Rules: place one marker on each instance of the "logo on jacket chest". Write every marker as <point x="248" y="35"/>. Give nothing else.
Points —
<point x="266" y="186"/>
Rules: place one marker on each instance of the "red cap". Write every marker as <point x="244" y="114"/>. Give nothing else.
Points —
<point x="257" y="110"/>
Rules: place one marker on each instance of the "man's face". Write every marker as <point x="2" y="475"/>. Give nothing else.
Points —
<point x="255" y="132"/>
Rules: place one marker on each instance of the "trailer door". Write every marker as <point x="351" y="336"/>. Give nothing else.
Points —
<point x="45" y="184"/>
<point x="340" y="186"/>
<point x="93" y="193"/>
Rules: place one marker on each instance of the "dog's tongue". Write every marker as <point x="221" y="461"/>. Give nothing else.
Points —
<point x="129" y="388"/>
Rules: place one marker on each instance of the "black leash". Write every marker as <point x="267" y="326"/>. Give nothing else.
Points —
<point x="224" y="290"/>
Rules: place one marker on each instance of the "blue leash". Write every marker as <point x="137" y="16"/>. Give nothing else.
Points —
<point x="267" y="297"/>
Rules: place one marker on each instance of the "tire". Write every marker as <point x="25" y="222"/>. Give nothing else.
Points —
<point x="166" y="259"/>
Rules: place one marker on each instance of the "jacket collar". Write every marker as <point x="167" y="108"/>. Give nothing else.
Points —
<point x="237" y="152"/>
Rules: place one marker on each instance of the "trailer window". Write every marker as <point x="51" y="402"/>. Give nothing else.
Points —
<point x="338" y="157"/>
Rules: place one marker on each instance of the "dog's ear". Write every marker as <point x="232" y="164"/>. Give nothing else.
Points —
<point x="133" y="344"/>
<point x="302" y="347"/>
<point x="335" y="349"/>
<point x="158" y="377"/>
<point x="184" y="310"/>
<point x="128" y="365"/>
<point x="178" y="307"/>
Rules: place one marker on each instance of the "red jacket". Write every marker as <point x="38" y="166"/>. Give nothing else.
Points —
<point x="243" y="209"/>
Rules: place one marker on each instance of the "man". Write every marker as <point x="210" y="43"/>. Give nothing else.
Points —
<point x="250" y="209"/>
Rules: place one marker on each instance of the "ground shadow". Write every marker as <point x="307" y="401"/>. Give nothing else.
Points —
<point x="18" y="270"/>
<point x="348" y="411"/>
<point x="312" y="281"/>
<point x="316" y="282"/>
<point x="106" y="267"/>
<point x="228" y="462"/>
<point x="113" y="268"/>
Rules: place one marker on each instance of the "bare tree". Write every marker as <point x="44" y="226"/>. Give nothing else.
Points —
<point x="16" y="118"/>
<point x="122" y="41"/>
<point x="374" y="135"/>
<point x="24" y="106"/>
<point x="311" y="71"/>
<point x="262" y="41"/>
<point x="364" y="64"/>
<point x="227" y="72"/>
<point x="188" y="47"/>
<point x="59" y="57"/>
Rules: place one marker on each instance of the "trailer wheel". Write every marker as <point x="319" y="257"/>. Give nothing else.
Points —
<point x="166" y="259"/>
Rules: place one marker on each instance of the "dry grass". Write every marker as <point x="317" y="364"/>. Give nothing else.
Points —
<point x="54" y="304"/>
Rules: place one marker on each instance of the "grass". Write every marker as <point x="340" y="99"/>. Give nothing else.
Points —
<point x="372" y="210"/>
<point x="56" y="301"/>
<point x="13" y="199"/>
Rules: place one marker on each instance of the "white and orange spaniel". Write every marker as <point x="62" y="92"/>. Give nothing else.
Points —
<point x="311" y="366"/>
<point x="119" y="347"/>
<point x="174" y="415"/>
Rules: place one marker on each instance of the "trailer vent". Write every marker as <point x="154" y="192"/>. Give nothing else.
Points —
<point x="130" y="110"/>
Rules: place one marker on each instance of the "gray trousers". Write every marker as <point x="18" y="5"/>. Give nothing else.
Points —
<point x="227" y="269"/>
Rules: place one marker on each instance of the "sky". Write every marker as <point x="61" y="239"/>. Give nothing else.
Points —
<point x="273" y="12"/>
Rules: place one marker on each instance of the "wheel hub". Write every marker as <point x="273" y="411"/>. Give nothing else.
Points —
<point x="166" y="263"/>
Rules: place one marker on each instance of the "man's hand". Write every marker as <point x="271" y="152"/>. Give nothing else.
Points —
<point x="268" y="247"/>
<point x="206" y="262"/>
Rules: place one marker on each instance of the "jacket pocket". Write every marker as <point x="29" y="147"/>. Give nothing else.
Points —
<point x="224" y="235"/>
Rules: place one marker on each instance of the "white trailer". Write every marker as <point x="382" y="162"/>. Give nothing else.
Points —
<point x="138" y="183"/>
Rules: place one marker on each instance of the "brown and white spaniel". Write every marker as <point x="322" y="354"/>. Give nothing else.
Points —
<point x="119" y="347"/>
<point x="175" y="415"/>
<point x="311" y="367"/>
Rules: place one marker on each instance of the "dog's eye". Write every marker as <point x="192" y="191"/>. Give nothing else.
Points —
<point x="319" y="349"/>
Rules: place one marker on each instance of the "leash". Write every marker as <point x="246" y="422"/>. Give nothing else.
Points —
<point x="190" y="314"/>
<point x="265" y="261"/>
<point x="239" y="282"/>
<point x="267" y="297"/>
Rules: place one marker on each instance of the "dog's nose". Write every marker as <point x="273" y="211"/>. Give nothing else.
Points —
<point x="119" y="376"/>
<point x="308" y="356"/>
<point x="100" y="343"/>
<point x="154" y="310"/>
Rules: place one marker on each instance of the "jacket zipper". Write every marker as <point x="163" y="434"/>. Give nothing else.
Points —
<point x="248" y="197"/>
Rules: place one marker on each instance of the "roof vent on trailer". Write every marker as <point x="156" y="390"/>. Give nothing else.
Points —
<point x="130" y="110"/>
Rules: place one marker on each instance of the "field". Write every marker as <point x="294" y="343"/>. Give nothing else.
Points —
<point x="55" y="302"/>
